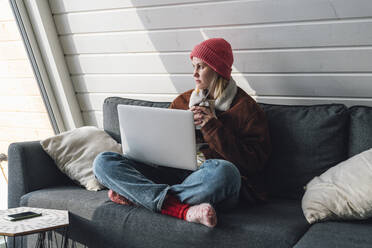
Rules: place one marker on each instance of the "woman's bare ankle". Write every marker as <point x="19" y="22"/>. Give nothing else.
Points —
<point x="203" y="213"/>
<point x="115" y="197"/>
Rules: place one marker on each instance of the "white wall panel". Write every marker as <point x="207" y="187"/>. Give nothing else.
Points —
<point x="293" y="60"/>
<point x="137" y="84"/>
<point x="293" y="35"/>
<point x="314" y="100"/>
<point x="210" y="14"/>
<point x="93" y="118"/>
<point x="312" y="85"/>
<point x="286" y="52"/>
<point x="129" y="63"/>
<point x="299" y="84"/>
<point x="59" y="6"/>
<point x="94" y="101"/>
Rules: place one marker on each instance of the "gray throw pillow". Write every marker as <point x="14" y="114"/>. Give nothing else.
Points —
<point x="74" y="152"/>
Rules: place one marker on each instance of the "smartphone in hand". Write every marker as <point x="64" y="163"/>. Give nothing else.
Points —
<point x="21" y="216"/>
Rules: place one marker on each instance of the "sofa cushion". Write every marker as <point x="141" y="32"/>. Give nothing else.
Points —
<point x="356" y="234"/>
<point x="110" y="113"/>
<point x="360" y="129"/>
<point x="306" y="141"/>
<point x="74" y="152"/>
<point x="342" y="192"/>
<point x="98" y="222"/>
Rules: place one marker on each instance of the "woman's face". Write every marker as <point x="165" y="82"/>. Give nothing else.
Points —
<point x="203" y="74"/>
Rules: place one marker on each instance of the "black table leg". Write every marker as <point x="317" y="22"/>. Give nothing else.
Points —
<point x="40" y="240"/>
<point x="55" y="238"/>
<point x="6" y="243"/>
<point x="44" y="239"/>
<point x="64" y="243"/>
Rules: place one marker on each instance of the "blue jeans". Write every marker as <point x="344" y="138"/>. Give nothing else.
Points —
<point x="216" y="182"/>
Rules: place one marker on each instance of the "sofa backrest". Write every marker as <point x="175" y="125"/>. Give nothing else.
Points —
<point x="306" y="140"/>
<point x="360" y="135"/>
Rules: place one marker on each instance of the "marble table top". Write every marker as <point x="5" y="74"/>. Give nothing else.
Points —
<point x="50" y="219"/>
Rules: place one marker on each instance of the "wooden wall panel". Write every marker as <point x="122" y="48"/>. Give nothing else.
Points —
<point x="289" y="51"/>
<point x="133" y="83"/>
<point x="93" y="101"/>
<point x="209" y="14"/>
<point x="93" y="118"/>
<point x="68" y="6"/>
<point x="314" y="100"/>
<point x="273" y="61"/>
<point x="292" y="35"/>
<point x="297" y="84"/>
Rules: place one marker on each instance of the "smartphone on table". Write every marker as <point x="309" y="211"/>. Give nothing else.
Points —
<point x="21" y="216"/>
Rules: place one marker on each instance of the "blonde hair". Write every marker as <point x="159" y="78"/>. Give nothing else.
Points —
<point x="218" y="85"/>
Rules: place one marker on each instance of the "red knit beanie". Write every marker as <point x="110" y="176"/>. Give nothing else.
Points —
<point x="217" y="53"/>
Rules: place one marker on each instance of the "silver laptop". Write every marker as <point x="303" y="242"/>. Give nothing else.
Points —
<point x="158" y="136"/>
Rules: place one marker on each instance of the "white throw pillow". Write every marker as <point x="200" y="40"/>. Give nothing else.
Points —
<point x="342" y="192"/>
<point x="74" y="152"/>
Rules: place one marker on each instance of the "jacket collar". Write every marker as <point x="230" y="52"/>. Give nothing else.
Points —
<point x="222" y="103"/>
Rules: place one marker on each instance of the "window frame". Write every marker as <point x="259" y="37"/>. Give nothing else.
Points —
<point x="37" y="29"/>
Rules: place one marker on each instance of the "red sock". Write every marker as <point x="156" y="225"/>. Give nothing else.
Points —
<point x="173" y="207"/>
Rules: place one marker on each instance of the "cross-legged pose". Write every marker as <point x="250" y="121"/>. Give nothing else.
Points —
<point x="233" y="147"/>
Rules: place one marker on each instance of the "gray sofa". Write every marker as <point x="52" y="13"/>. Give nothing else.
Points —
<point x="306" y="140"/>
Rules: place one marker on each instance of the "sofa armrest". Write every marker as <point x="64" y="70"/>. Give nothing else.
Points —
<point x="30" y="168"/>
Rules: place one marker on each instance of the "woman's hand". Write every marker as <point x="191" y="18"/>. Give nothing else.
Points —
<point x="202" y="115"/>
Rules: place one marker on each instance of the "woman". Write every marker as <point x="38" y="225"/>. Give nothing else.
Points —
<point x="234" y="148"/>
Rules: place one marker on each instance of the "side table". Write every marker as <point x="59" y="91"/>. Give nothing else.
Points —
<point x="44" y="225"/>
